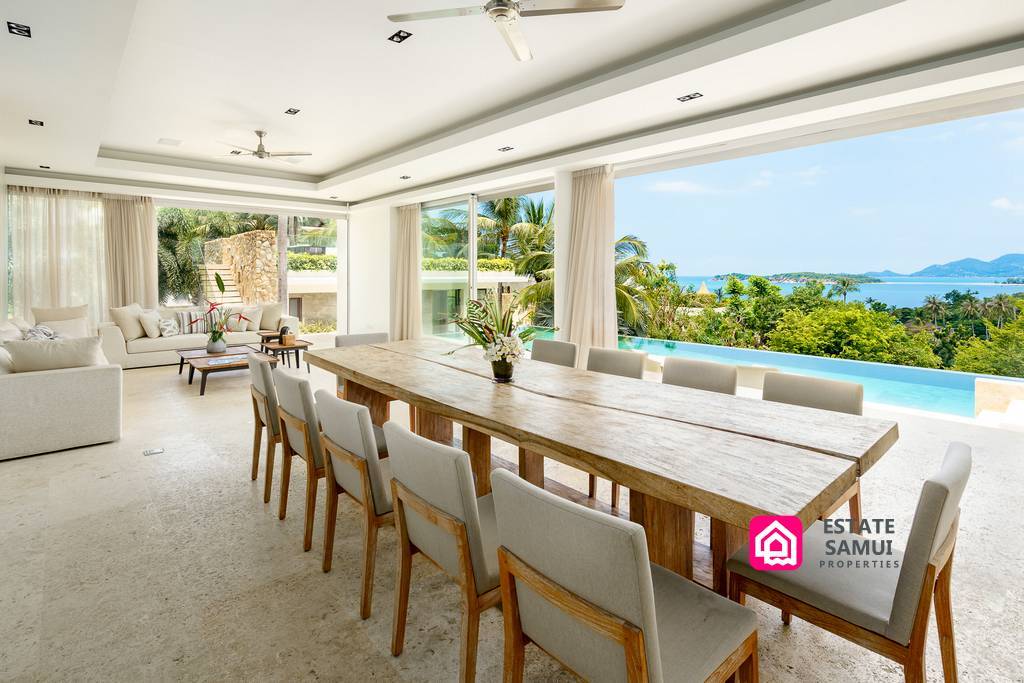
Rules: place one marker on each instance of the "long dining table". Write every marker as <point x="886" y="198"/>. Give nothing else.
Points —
<point x="679" y="451"/>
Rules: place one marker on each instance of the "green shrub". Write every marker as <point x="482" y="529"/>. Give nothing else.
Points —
<point x="454" y="263"/>
<point x="314" y="326"/>
<point x="301" y="261"/>
<point x="1003" y="354"/>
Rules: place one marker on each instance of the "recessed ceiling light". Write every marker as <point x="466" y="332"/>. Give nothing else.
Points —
<point x="170" y="142"/>
<point x="34" y="122"/>
<point x="236" y="152"/>
<point x="19" y="29"/>
<point x="291" y="110"/>
<point x="399" y="36"/>
<point x="45" y="167"/>
<point x="404" y="177"/>
<point x="505" y="149"/>
<point x="691" y="96"/>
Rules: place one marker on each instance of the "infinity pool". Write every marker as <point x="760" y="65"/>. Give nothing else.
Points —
<point x="943" y="391"/>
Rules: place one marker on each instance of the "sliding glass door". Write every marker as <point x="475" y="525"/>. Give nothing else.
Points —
<point x="445" y="269"/>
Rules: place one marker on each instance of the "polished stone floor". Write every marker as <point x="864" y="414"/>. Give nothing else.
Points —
<point x="115" y="566"/>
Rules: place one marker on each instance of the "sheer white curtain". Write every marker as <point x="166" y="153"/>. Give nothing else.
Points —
<point x="57" y="250"/>
<point x="591" y="316"/>
<point x="130" y="235"/>
<point x="406" y="255"/>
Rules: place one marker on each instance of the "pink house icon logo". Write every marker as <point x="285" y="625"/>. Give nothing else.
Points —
<point x="776" y="543"/>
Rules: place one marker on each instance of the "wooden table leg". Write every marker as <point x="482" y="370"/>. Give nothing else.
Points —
<point x="434" y="427"/>
<point x="378" y="403"/>
<point x="669" y="530"/>
<point x="531" y="467"/>
<point x="726" y="539"/>
<point x="478" y="445"/>
<point x="191" y="372"/>
<point x="202" y="383"/>
<point x="181" y="364"/>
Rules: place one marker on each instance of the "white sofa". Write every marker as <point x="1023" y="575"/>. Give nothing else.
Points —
<point x="52" y="410"/>
<point x="149" y="351"/>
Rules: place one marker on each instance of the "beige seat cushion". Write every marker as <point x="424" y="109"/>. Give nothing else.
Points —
<point x="242" y="337"/>
<point x="70" y="329"/>
<point x="6" y="367"/>
<point x="127" y="318"/>
<point x="35" y="356"/>
<point x="46" y="315"/>
<point x="179" y="341"/>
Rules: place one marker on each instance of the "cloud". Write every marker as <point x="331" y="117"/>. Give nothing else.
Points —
<point x="763" y="179"/>
<point x="810" y="175"/>
<point x="681" y="187"/>
<point x="1006" y="204"/>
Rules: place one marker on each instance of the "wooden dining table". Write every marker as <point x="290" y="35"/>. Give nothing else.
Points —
<point x="679" y="451"/>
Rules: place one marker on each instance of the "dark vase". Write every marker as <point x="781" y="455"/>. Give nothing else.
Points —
<point x="502" y="370"/>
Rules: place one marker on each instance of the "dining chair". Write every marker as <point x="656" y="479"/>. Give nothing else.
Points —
<point x="438" y="515"/>
<point x="884" y="609"/>
<point x="300" y="431"/>
<point x="624" y="364"/>
<point x="825" y="394"/>
<point x="264" y="412"/>
<point x="353" y="466"/>
<point x="700" y="374"/>
<point x="579" y="584"/>
<point x="555" y="352"/>
<point x="343" y="340"/>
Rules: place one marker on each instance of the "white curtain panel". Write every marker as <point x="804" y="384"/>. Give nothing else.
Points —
<point x="57" y="250"/>
<point x="591" y="316"/>
<point x="130" y="231"/>
<point x="406" y="256"/>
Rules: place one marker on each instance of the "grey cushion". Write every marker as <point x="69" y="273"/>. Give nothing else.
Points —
<point x="814" y="392"/>
<point x="348" y="425"/>
<point x="556" y="352"/>
<point x="381" y="439"/>
<point x="296" y="397"/>
<point x="617" y="362"/>
<point x="262" y="378"/>
<point x="442" y="476"/>
<point x="700" y="374"/>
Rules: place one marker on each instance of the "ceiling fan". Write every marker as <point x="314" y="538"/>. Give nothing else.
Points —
<point x="261" y="152"/>
<point x="506" y="13"/>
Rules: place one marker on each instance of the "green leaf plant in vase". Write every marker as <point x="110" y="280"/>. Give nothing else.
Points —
<point x="493" y="327"/>
<point x="217" y="322"/>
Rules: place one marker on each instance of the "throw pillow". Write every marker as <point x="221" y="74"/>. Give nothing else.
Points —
<point x="150" y="321"/>
<point x="10" y="332"/>
<point x="34" y="356"/>
<point x="46" y="315"/>
<point x="255" y="316"/>
<point x="127" y="318"/>
<point x="40" y="333"/>
<point x="191" y="322"/>
<point x="70" y="329"/>
<point x="169" y="327"/>
<point x="5" y="362"/>
<point x="271" y="319"/>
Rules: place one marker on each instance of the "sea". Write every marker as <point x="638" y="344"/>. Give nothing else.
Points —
<point x="898" y="291"/>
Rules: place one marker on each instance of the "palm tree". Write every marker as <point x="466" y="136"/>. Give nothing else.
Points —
<point x="936" y="307"/>
<point x="1001" y="307"/>
<point x="446" y="234"/>
<point x="495" y="221"/>
<point x="843" y="286"/>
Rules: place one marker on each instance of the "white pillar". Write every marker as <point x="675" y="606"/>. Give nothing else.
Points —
<point x="563" y="219"/>
<point x="3" y="246"/>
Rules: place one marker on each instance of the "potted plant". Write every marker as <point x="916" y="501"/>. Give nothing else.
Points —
<point x="494" y="329"/>
<point x="218" y="322"/>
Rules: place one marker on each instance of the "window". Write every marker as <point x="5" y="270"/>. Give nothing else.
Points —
<point x="445" y="268"/>
<point x="313" y="272"/>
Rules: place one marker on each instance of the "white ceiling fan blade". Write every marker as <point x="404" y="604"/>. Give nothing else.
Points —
<point x="515" y="39"/>
<point x="436" y="14"/>
<point x="292" y="154"/>
<point x="539" y="8"/>
<point x="234" y="146"/>
<point x="234" y="156"/>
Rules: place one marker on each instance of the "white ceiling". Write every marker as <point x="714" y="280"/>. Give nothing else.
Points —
<point x="111" y="77"/>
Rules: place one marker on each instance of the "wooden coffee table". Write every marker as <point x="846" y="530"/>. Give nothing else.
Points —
<point x="222" y="362"/>
<point x="276" y="349"/>
<point x="185" y="354"/>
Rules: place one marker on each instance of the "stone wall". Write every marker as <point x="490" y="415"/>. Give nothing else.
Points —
<point x="252" y="258"/>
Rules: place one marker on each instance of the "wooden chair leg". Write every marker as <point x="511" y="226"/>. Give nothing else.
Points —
<point x="615" y="496"/>
<point x="330" y="523"/>
<point x="311" y="486"/>
<point x="787" y="618"/>
<point x="736" y="593"/>
<point x="412" y="419"/>
<point x="748" y="671"/>
<point x="269" y="475"/>
<point x="257" y="441"/>
<point x="402" y="577"/>
<point x="469" y="642"/>
<point x="944" y="620"/>
<point x="286" y="478"/>
<point x="855" y="508"/>
<point x="369" y="563"/>
<point x="913" y="670"/>
<point x="592" y="486"/>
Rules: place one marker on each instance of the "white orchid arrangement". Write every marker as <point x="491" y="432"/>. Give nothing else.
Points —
<point x="505" y="347"/>
<point x="492" y="327"/>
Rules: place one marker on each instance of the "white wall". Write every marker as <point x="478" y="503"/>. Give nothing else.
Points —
<point x="3" y="245"/>
<point x="369" y="235"/>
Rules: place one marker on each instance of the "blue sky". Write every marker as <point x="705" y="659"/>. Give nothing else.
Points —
<point x="900" y="200"/>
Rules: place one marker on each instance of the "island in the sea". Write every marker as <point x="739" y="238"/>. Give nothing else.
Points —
<point x="805" y="276"/>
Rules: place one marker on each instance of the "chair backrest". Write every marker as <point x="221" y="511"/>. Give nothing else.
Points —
<point x="261" y="376"/>
<point x="556" y="352"/>
<point x="342" y="340"/>
<point x="700" y="374"/>
<point x="597" y="557"/>
<point x="935" y="520"/>
<point x="348" y="425"/>
<point x="617" y="362"/>
<point x="295" y="397"/>
<point x="443" y="478"/>
<point x="814" y="392"/>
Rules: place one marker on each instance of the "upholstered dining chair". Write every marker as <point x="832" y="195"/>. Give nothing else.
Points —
<point x="264" y="412"/>
<point x="700" y="374"/>
<point x="438" y="515"/>
<point x="624" y="364"/>
<point x="300" y="431"/>
<point x="343" y="340"/>
<point x="353" y="466"/>
<point x="826" y="394"/>
<point x="555" y="352"/>
<point x="579" y="584"/>
<point x="883" y="609"/>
